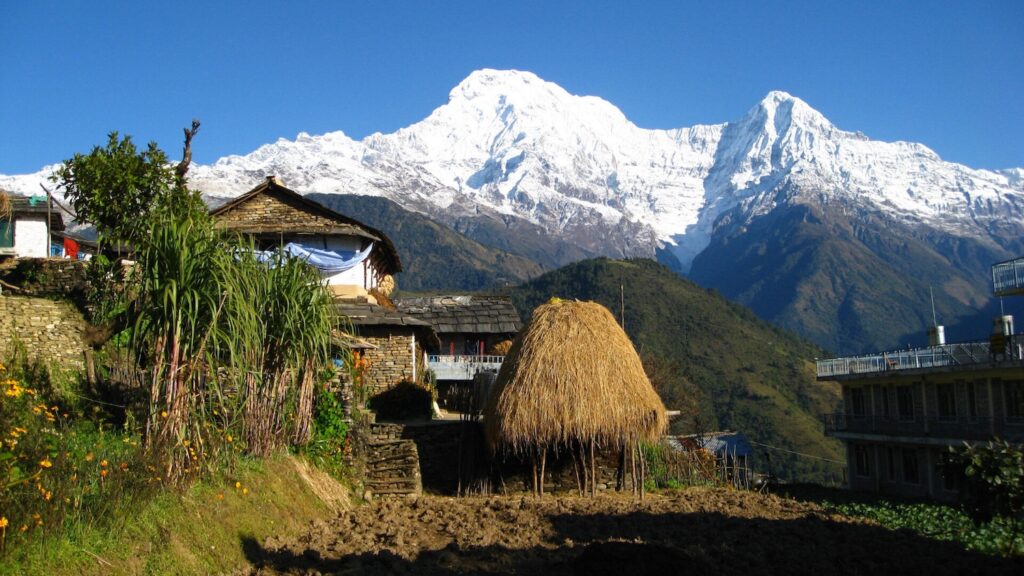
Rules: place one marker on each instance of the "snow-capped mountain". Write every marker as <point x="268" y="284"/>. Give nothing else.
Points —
<point x="509" y="143"/>
<point x="511" y="148"/>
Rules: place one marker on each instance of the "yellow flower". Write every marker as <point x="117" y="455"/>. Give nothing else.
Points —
<point x="229" y="438"/>
<point x="238" y="485"/>
<point x="163" y="414"/>
<point x="185" y="443"/>
<point x="245" y="490"/>
<point x="89" y="457"/>
<point x="103" y="463"/>
<point x="44" y="463"/>
<point x="3" y="521"/>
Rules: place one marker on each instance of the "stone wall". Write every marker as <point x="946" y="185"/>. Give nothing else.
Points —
<point x="58" y="277"/>
<point x="50" y="330"/>
<point x="391" y="361"/>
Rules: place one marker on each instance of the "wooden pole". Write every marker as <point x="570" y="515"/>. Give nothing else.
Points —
<point x="632" y="464"/>
<point x="543" y="461"/>
<point x="593" y="470"/>
<point x="575" y="468"/>
<point x="533" y="459"/>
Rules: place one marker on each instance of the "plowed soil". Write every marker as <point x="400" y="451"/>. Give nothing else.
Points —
<point x="697" y="531"/>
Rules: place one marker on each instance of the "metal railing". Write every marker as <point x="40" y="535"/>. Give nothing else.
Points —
<point x="462" y="367"/>
<point x="958" y="354"/>
<point x="1008" y="277"/>
<point x="959" y="427"/>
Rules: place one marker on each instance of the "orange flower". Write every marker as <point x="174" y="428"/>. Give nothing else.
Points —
<point x="3" y="521"/>
<point x="104" y="463"/>
<point x="103" y="473"/>
<point x="45" y="463"/>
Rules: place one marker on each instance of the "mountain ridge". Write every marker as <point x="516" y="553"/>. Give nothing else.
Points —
<point x="511" y="159"/>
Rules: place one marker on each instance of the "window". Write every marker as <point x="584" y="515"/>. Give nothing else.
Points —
<point x="857" y="399"/>
<point x="910" y="472"/>
<point x="6" y="233"/>
<point x="861" y="460"/>
<point x="884" y="391"/>
<point x="950" y="473"/>
<point x="1013" y="392"/>
<point x="905" y="402"/>
<point x="970" y="390"/>
<point x="946" y="394"/>
<point x="890" y="457"/>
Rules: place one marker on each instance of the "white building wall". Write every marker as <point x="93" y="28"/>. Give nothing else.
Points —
<point x="363" y="275"/>
<point x="30" y="237"/>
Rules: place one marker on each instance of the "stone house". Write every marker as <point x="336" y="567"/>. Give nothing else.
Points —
<point x="353" y="258"/>
<point x="356" y="263"/>
<point x="468" y="329"/>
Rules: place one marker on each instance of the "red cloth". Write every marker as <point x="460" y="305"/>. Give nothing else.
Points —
<point x="70" y="249"/>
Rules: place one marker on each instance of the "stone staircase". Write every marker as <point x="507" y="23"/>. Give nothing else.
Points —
<point x="392" y="463"/>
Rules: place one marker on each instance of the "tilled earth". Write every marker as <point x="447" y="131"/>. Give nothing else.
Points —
<point x="697" y="531"/>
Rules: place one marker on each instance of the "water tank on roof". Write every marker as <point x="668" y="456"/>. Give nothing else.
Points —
<point x="936" y="335"/>
<point x="1003" y="325"/>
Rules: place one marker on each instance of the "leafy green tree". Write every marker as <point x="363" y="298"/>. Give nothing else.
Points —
<point x="117" y="187"/>
<point x="994" y="486"/>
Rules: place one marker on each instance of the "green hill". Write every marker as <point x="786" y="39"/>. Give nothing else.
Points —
<point x="434" y="256"/>
<point x="713" y="359"/>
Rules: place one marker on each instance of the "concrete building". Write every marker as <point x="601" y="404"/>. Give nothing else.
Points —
<point x="903" y="410"/>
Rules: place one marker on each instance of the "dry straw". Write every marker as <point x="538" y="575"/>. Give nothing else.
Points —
<point x="572" y="375"/>
<point x="5" y="205"/>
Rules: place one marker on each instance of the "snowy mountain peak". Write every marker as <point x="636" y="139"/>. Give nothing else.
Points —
<point x="779" y="111"/>
<point x="511" y="144"/>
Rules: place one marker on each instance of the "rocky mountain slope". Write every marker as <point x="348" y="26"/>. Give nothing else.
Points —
<point x="513" y="161"/>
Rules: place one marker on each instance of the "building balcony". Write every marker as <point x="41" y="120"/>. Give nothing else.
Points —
<point x="462" y="367"/>
<point x="1008" y="277"/>
<point x="957" y="428"/>
<point x="974" y="353"/>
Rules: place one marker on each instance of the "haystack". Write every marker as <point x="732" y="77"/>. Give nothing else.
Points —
<point x="572" y="378"/>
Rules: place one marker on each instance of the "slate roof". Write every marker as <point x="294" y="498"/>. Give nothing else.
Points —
<point x="464" y="314"/>
<point x="366" y="314"/>
<point x="35" y="205"/>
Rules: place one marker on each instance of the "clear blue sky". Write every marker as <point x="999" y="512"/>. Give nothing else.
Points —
<point x="948" y="74"/>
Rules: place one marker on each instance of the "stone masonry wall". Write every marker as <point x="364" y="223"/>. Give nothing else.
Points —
<point x="61" y="277"/>
<point x="391" y="361"/>
<point x="50" y="330"/>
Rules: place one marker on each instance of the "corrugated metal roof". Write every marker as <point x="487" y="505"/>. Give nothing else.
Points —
<point x="718" y="443"/>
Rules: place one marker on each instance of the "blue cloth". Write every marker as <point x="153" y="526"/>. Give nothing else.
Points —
<point x="328" y="262"/>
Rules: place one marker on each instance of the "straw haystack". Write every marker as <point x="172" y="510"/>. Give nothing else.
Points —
<point x="572" y="378"/>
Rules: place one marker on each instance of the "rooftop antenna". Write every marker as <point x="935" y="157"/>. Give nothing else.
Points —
<point x="931" y="294"/>
<point x="1001" y="311"/>
<point x="936" y="333"/>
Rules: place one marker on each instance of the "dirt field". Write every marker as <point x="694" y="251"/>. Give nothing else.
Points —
<point x="699" y="531"/>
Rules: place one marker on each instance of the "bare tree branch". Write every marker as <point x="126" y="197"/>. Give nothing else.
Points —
<point x="186" y="155"/>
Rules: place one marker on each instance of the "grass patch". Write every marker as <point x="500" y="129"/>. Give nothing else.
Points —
<point x="930" y="519"/>
<point x="199" y="531"/>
